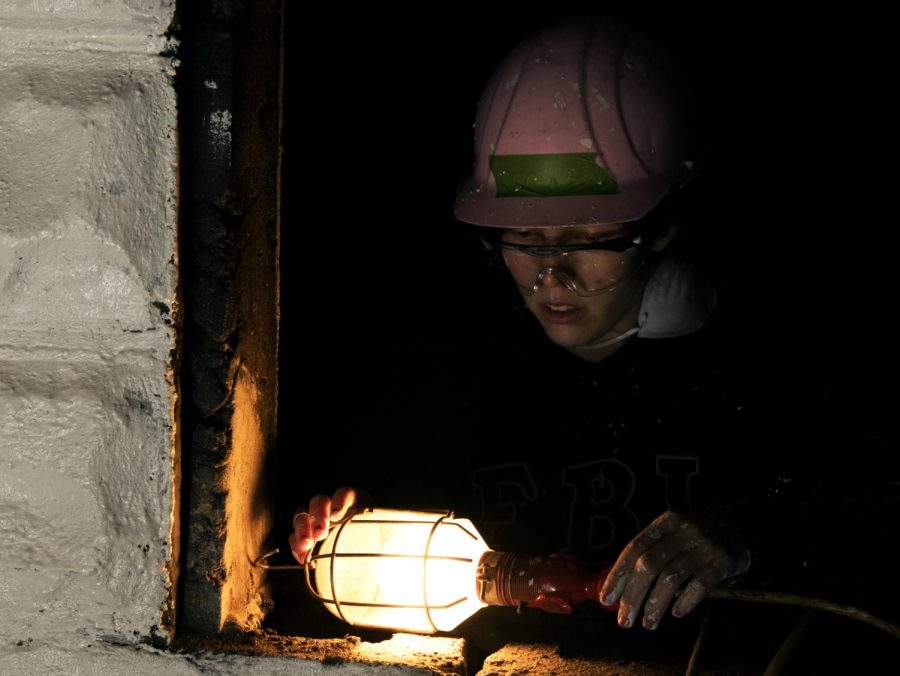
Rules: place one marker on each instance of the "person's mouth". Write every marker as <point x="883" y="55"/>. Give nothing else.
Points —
<point x="561" y="313"/>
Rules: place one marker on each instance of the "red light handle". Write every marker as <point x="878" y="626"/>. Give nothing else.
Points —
<point x="555" y="583"/>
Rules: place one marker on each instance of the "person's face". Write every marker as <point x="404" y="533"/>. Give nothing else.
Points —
<point x="573" y="321"/>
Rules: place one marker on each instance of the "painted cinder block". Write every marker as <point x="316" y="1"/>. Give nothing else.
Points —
<point x="88" y="175"/>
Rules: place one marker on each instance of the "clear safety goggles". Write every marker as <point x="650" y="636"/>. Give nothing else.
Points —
<point x="587" y="269"/>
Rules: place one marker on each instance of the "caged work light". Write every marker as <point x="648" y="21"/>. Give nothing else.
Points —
<point x="427" y="572"/>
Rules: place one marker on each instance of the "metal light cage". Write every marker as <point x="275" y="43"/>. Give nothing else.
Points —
<point x="401" y="570"/>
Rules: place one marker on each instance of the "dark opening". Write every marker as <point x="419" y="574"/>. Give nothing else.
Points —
<point x="383" y="293"/>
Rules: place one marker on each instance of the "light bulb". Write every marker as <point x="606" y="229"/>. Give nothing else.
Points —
<point x="409" y="571"/>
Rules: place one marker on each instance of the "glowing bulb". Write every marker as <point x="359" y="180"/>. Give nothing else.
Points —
<point x="409" y="571"/>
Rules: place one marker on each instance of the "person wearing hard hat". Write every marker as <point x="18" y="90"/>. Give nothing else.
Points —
<point x="581" y="135"/>
<point x="615" y="446"/>
<point x="582" y="138"/>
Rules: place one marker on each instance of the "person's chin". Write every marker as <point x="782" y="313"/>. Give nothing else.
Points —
<point x="567" y="336"/>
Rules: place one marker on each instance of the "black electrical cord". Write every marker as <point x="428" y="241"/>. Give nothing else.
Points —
<point x="780" y="659"/>
<point x="693" y="666"/>
<point x="787" y="599"/>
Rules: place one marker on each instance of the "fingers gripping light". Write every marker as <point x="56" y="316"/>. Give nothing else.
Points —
<point x="427" y="572"/>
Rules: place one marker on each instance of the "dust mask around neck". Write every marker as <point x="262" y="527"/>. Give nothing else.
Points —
<point x="678" y="298"/>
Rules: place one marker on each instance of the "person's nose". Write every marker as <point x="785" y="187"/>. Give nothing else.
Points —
<point x="547" y="277"/>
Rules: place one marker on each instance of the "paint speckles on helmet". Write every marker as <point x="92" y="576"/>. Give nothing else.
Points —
<point x="585" y="122"/>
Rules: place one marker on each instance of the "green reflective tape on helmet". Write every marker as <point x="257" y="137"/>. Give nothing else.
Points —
<point x="551" y="175"/>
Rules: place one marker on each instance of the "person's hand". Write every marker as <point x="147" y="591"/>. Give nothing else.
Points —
<point x="313" y="524"/>
<point x="675" y="552"/>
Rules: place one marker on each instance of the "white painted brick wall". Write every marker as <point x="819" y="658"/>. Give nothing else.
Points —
<point x="87" y="274"/>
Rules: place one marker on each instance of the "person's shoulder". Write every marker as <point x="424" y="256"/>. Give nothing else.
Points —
<point x="711" y="351"/>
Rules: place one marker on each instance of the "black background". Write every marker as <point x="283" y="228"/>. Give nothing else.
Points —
<point x="794" y="218"/>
